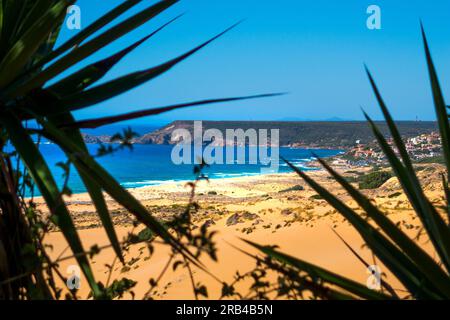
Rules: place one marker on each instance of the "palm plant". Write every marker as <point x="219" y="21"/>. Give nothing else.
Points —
<point x="28" y="61"/>
<point x="420" y="274"/>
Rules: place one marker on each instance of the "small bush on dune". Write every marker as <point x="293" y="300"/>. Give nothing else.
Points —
<point x="374" y="180"/>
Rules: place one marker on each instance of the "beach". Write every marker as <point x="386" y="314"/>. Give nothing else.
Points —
<point x="274" y="209"/>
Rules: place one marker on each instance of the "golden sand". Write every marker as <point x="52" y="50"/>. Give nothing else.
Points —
<point x="299" y="223"/>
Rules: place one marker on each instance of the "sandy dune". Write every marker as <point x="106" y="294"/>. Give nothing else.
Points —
<point x="258" y="208"/>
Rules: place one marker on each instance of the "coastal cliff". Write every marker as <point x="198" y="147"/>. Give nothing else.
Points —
<point x="296" y="133"/>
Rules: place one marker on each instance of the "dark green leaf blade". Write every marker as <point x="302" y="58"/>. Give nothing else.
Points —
<point x="383" y="283"/>
<point x="391" y="124"/>
<point x="329" y="292"/>
<point x="94" y="123"/>
<point x="125" y="83"/>
<point x="35" y="9"/>
<point x="95" y="192"/>
<point x="328" y="276"/>
<point x="432" y="221"/>
<point x="90" y="167"/>
<point x="83" y="51"/>
<point x="388" y="253"/>
<point x="423" y="261"/>
<point x="91" y="29"/>
<point x="90" y="74"/>
<point x="21" y="52"/>
<point x="11" y="12"/>
<point x="447" y="196"/>
<point x="439" y="104"/>
<point x="1" y="20"/>
<point x="46" y="184"/>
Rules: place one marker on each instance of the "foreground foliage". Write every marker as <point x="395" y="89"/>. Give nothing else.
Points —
<point x="421" y="275"/>
<point x="28" y="63"/>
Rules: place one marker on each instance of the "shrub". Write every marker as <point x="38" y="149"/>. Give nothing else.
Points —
<point x="394" y="195"/>
<point x="374" y="180"/>
<point x="297" y="187"/>
<point x="436" y="159"/>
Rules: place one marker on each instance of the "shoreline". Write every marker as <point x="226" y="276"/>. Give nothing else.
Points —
<point x="152" y="165"/>
<point x="169" y="184"/>
<point x="310" y="164"/>
<point x="245" y="175"/>
<point x="273" y="209"/>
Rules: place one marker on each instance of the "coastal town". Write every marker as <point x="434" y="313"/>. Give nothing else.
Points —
<point x="421" y="139"/>
<point x="421" y="148"/>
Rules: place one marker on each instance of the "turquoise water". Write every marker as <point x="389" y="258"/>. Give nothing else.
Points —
<point x="147" y="165"/>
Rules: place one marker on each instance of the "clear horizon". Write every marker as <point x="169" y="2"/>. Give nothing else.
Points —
<point x="314" y="51"/>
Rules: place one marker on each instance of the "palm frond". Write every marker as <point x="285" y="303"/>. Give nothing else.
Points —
<point x="28" y="61"/>
<point x="127" y="82"/>
<point x="439" y="104"/>
<point x="315" y="271"/>
<point x="413" y="266"/>
<point x="403" y="268"/>
<point x="85" y="50"/>
<point x="424" y="262"/>
<point x="95" y="123"/>
<point x="44" y="180"/>
<point x="90" y="74"/>
<point x="27" y="45"/>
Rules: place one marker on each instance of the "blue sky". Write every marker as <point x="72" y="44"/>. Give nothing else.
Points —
<point x="314" y="50"/>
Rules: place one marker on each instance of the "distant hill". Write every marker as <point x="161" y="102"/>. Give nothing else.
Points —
<point x="323" y="134"/>
<point x="90" y="138"/>
<point x="309" y="120"/>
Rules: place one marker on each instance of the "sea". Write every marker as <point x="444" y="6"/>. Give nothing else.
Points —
<point x="151" y="164"/>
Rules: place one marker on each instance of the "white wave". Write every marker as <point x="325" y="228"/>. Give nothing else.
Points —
<point x="147" y="183"/>
<point x="233" y="175"/>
